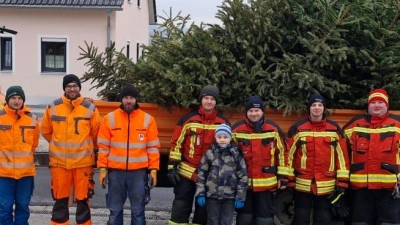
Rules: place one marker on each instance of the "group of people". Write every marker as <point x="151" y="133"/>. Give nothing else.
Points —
<point x="318" y="160"/>
<point x="218" y="167"/>
<point x="126" y="141"/>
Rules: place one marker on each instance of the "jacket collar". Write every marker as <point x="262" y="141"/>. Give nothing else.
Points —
<point x="16" y="113"/>
<point x="75" y="102"/>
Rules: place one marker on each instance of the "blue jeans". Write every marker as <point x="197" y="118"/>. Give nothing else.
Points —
<point x="19" y="192"/>
<point x="123" y="184"/>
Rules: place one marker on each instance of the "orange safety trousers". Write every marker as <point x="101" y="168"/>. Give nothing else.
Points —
<point x="81" y="179"/>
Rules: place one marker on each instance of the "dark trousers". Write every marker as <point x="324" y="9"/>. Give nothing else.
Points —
<point x="220" y="211"/>
<point x="182" y="205"/>
<point x="257" y="205"/>
<point x="305" y="203"/>
<point x="18" y="192"/>
<point x="375" y="207"/>
<point x="123" y="184"/>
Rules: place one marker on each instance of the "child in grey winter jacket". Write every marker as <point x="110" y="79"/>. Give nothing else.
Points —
<point x="222" y="178"/>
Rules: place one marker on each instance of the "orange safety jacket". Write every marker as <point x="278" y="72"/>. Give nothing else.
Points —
<point x="128" y="142"/>
<point x="71" y="127"/>
<point x="375" y="152"/>
<point x="192" y="137"/>
<point x="318" y="156"/>
<point x="265" y="153"/>
<point x="19" y="137"/>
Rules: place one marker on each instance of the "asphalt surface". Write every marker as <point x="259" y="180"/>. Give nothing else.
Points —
<point x="157" y="211"/>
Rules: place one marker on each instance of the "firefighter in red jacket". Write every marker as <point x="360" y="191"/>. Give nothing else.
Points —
<point x="318" y="166"/>
<point x="191" y="138"/>
<point x="375" y="162"/>
<point x="264" y="149"/>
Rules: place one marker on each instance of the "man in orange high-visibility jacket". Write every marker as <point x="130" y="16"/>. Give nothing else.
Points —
<point x="265" y="151"/>
<point x="128" y="151"/>
<point x="70" y="124"/>
<point x="318" y="166"/>
<point x="375" y="162"/>
<point x="192" y="137"/>
<point x="19" y="137"/>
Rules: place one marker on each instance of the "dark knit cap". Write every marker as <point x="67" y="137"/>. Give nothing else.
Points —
<point x="254" y="102"/>
<point x="209" y="90"/>
<point x="13" y="91"/>
<point x="315" y="98"/>
<point x="71" y="78"/>
<point x="129" y="90"/>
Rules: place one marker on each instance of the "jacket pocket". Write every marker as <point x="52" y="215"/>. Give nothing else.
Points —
<point x="392" y="168"/>
<point x="356" y="167"/>
<point x="362" y="143"/>
<point x="388" y="142"/>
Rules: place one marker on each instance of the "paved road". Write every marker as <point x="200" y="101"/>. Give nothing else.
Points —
<point x="157" y="211"/>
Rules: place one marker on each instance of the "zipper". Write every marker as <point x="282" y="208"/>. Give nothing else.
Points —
<point x="127" y="142"/>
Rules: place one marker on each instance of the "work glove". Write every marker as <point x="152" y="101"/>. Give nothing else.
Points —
<point x="103" y="177"/>
<point x="396" y="189"/>
<point x="173" y="175"/>
<point x="201" y="200"/>
<point x="239" y="204"/>
<point x="153" y="178"/>
<point x="282" y="182"/>
<point x="339" y="207"/>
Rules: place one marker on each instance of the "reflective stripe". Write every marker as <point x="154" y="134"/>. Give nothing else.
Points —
<point x="111" y="119"/>
<point x="103" y="141"/>
<point x="58" y="118"/>
<point x="170" y="222"/>
<point x="90" y="106"/>
<point x="153" y="150"/>
<point x="146" y="120"/>
<point x="373" y="178"/>
<point x="304" y="154"/>
<point x="262" y="182"/>
<point x="5" y="127"/>
<point x="175" y="155"/>
<point x="283" y="170"/>
<point x="53" y="104"/>
<point x="71" y="155"/>
<point x="116" y="144"/>
<point x="16" y="165"/>
<point x="186" y="170"/>
<point x="71" y="145"/>
<point x="153" y="143"/>
<point x="130" y="159"/>
<point x="342" y="174"/>
<point x="348" y="132"/>
<point x="16" y="154"/>
<point x="104" y="151"/>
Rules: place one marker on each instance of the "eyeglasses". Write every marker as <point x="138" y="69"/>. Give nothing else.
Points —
<point x="69" y="87"/>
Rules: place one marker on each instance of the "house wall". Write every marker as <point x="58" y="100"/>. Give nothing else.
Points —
<point x="137" y="19"/>
<point x="75" y="25"/>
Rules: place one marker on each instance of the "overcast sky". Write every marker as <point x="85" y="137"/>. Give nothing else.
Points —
<point x="199" y="10"/>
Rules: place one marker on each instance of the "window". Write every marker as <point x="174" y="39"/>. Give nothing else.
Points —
<point x="6" y="53"/>
<point x="54" y="54"/>
<point x="138" y="4"/>
<point x="137" y="51"/>
<point x="128" y="45"/>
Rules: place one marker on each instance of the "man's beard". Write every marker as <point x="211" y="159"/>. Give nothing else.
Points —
<point x="128" y="108"/>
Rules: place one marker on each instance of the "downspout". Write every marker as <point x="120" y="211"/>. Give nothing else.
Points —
<point x="108" y="28"/>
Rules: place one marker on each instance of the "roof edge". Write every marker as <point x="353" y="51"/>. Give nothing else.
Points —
<point x="115" y="8"/>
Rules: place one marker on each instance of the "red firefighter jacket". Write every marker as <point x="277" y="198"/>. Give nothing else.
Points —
<point x="375" y="152"/>
<point x="128" y="142"/>
<point x="19" y="137"/>
<point x="265" y="153"/>
<point x="192" y="137"/>
<point x="318" y="156"/>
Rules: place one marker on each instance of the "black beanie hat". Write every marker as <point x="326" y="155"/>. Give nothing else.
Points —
<point x="13" y="91"/>
<point x="209" y="90"/>
<point x="254" y="102"/>
<point x="129" y="90"/>
<point x="71" y="78"/>
<point x="315" y="98"/>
